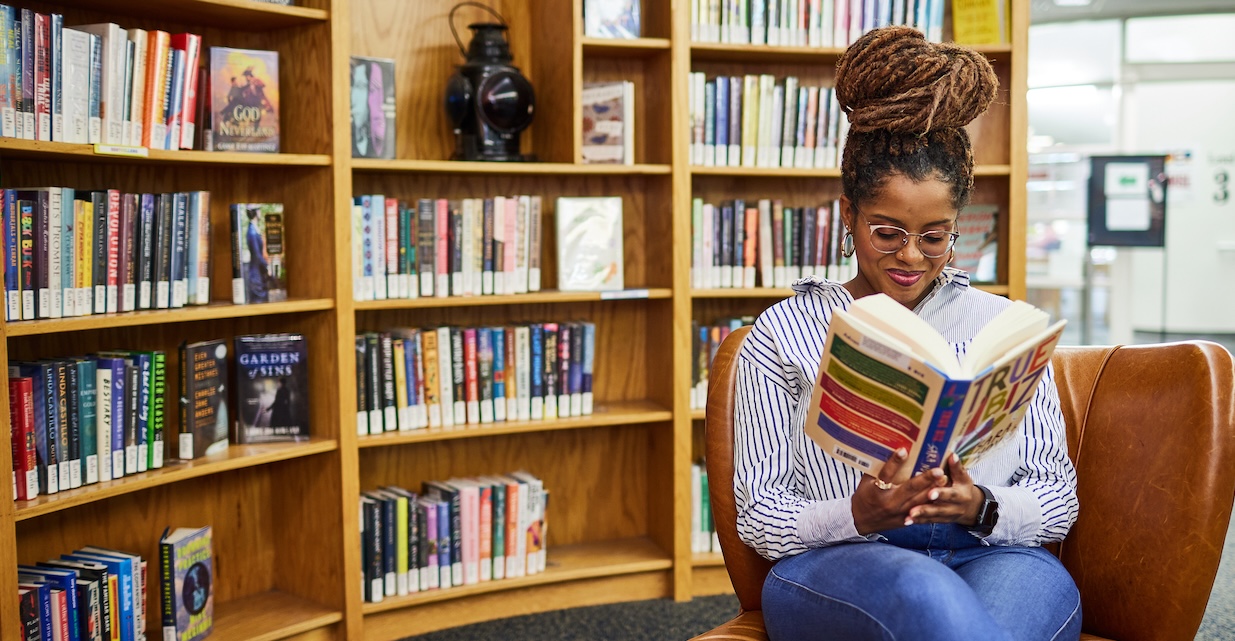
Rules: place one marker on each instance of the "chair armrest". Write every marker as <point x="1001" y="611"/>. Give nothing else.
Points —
<point x="747" y="626"/>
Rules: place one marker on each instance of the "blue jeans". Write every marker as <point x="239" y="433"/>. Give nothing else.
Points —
<point x="926" y="582"/>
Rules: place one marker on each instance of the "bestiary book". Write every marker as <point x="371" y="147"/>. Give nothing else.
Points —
<point x="244" y="99"/>
<point x="271" y="387"/>
<point x="889" y="380"/>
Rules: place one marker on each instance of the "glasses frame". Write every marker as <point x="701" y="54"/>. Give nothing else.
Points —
<point x="906" y="234"/>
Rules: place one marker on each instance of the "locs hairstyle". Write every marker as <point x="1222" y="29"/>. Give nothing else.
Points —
<point x="908" y="100"/>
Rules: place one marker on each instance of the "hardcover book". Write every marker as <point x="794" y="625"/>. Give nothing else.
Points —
<point x="977" y="248"/>
<point x="244" y="98"/>
<point x="259" y="267"/>
<point x="888" y="380"/>
<point x="203" y="399"/>
<point x="608" y="122"/>
<point x="611" y="18"/>
<point x="373" y="107"/>
<point x="186" y="573"/>
<point x="589" y="243"/>
<point x="270" y="387"/>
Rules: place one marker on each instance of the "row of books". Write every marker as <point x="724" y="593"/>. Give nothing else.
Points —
<point x="705" y="340"/>
<point x="808" y="23"/>
<point x="445" y="247"/>
<point x="751" y="121"/>
<point x="703" y="537"/>
<point x="608" y="122"/>
<point x="90" y="594"/>
<point x="739" y="243"/>
<point x="78" y="252"/>
<point x="456" y="532"/>
<point x="96" y="83"/>
<point x="449" y="377"/>
<point x="90" y="419"/>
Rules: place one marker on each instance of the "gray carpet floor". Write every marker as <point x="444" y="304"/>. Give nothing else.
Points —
<point x="662" y="619"/>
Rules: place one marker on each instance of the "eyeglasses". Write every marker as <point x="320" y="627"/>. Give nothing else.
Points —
<point x="889" y="239"/>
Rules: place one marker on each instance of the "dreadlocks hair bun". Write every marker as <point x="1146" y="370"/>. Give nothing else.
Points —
<point x="893" y="79"/>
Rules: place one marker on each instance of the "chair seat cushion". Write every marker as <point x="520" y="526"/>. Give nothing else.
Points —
<point x="1092" y="637"/>
<point x="747" y="626"/>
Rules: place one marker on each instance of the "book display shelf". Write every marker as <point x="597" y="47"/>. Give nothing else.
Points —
<point x="287" y="546"/>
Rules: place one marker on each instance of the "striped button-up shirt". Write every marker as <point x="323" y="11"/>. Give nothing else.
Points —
<point x="791" y="496"/>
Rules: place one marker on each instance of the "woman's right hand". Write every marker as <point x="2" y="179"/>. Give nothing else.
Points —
<point x="876" y="509"/>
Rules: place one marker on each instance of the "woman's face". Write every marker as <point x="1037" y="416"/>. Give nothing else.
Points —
<point x="906" y="274"/>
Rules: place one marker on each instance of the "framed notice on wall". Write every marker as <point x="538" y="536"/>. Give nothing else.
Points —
<point x="1127" y="201"/>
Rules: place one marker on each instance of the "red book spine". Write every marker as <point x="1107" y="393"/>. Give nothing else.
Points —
<point x="470" y="378"/>
<point x="21" y="418"/>
<point x="441" y="258"/>
<point x="191" y="44"/>
<point x="392" y="248"/>
<point x="42" y="76"/>
<point x="113" y="249"/>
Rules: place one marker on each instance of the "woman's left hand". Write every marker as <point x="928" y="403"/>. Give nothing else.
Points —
<point x="956" y="503"/>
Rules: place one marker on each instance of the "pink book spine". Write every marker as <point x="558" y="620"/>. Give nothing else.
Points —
<point x="441" y="222"/>
<point x="392" y="240"/>
<point x="471" y="534"/>
<point x="113" y="249"/>
<point x="512" y="530"/>
<point x="486" y="533"/>
<point x="512" y="214"/>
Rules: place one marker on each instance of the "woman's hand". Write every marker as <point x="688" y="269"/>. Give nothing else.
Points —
<point x="876" y="509"/>
<point x="957" y="503"/>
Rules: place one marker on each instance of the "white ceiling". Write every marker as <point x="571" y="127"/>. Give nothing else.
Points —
<point x="1046" y="11"/>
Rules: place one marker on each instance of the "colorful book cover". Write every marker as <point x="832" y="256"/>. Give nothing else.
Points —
<point x="186" y="572"/>
<point x="611" y="18"/>
<point x="589" y="241"/>
<point x="606" y="111"/>
<point x="244" y="95"/>
<point x="373" y="107"/>
<point x="204" y="419"/>
<point x="977" y="248"/>
<point x="259" y="268"/>
<point x="270" y="388"/>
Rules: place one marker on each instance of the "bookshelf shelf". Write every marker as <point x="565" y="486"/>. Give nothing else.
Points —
<point x="999" y="290"/>
<point x="540" y="298"/>
<point x="743" y="292"/>
<point x="236" y="457"/>
<point x="718" y="52"/>
<point x="565" y="563"/>
<point x="698" y="415"/>
<point x="830" y="172"/>
<point x="617" y="413"/>
<point x="213" y="311"/>
<point x="45" y="150"/>
<point x="509" y="168"/>
<point x="245" y="15"/>
<point x="708" y="560"/>
<point x="992" y="170"/>
<point x="269" y="616"/>
<point x="616" y="48"/>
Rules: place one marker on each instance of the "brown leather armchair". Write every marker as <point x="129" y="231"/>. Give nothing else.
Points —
<point x="1151" y="430"/>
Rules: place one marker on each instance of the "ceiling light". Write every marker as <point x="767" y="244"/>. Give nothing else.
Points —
<point x="1072" y="3"/>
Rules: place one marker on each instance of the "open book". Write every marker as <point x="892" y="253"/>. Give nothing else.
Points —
<point x="889" y="380"/>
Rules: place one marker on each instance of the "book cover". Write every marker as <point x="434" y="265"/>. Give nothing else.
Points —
<point x="204" y="423"/>
<point x="608" y="111"/>
<point x="888" y="380"/>
<point x="186" y="573"/>
<point x="373" y="107"/>
<point x="244" y="96"/>
<point x="977" y="248"/>
<point x="270" y="388"/>
<point x="589" y="243"/>
<point x="611" y="18"/>
<point x="259" y="260"/>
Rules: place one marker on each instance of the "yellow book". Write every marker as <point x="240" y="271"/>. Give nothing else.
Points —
<point x="404" y="418"/>
<point x="750" y="121"/>
<point x="83" y="211"/>
<point x="980" y="22"/>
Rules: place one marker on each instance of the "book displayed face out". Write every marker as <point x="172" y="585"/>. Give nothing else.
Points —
<point x="589" y="244"/>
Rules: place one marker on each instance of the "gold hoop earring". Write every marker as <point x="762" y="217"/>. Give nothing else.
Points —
<point x="847" y="245"/>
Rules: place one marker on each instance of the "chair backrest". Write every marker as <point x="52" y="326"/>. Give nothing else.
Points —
<point x="747" y="569"/>
<point x="1151" y="430"/>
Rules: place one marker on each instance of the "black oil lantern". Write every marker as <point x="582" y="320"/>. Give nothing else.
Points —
<point x="488" y="100"/>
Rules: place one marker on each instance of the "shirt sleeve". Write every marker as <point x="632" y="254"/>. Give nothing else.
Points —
<point x="774" y="517"/>
<point x="1040" y="506"/>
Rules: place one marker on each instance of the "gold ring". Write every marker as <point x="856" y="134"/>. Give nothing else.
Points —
<point x="883" y="485"/>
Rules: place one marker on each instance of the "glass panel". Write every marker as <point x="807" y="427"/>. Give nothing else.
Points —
<point x="1081" y="115"/>
<point x="1204" y="38"/>
<point x="1074" y="53"/>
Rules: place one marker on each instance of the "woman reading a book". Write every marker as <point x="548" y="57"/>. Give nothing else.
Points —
<point x="949" y="553"/>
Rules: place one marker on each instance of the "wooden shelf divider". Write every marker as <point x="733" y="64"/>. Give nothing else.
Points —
<point x="214" y="311"/>
<point x="269" y="616"/>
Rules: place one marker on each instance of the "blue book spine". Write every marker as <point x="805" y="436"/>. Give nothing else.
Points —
<point x="66" y="580"/>
<point x="12" y="285"/>
<point x="443" y="543"/>
<point x="367" y="245"/>
<point x="145" y="256"/>
<point x="122" y="567"/>
<point x="67" y="258"/>
<point x="96" y="90"/>
<point x="145" y="381"/>
<point x="589" y="362"/>
<point x="118" y="417"/>
<point x="192" y="236"/>
<point x="49" y="477"/>
<point x="179" y="263"/>
<point x="709" y="117"/>
<point x="7" y="52"/>
<point x="722" y="118"/>
<point x="499" y="370"/>
<point x="942" y="424"/>
<point x="44" y="590"/>
<point x="538" y="361"/>
<point x="88" y="418"/>
<point x="175" y="96"/>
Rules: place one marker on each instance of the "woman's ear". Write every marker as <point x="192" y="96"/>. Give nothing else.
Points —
<point x="847" y="212"/>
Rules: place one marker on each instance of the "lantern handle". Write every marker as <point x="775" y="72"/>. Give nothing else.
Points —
<point x="451" y="20"/>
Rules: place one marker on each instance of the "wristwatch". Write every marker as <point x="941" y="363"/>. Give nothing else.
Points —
<point x="988" y="514"/>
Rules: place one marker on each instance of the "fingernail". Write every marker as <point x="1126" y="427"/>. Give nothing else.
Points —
<point x="901" y="453"/>
<point x="934" y="494"/>
<point x="936" y="472"/>
<point x="908" y="521"/>
<point x="955" y="458"/>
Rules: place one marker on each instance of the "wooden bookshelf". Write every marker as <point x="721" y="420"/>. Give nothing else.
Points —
<point x="285" y="516"/>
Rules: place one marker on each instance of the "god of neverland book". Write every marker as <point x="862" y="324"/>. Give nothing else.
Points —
<point x="889" y="380"/>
